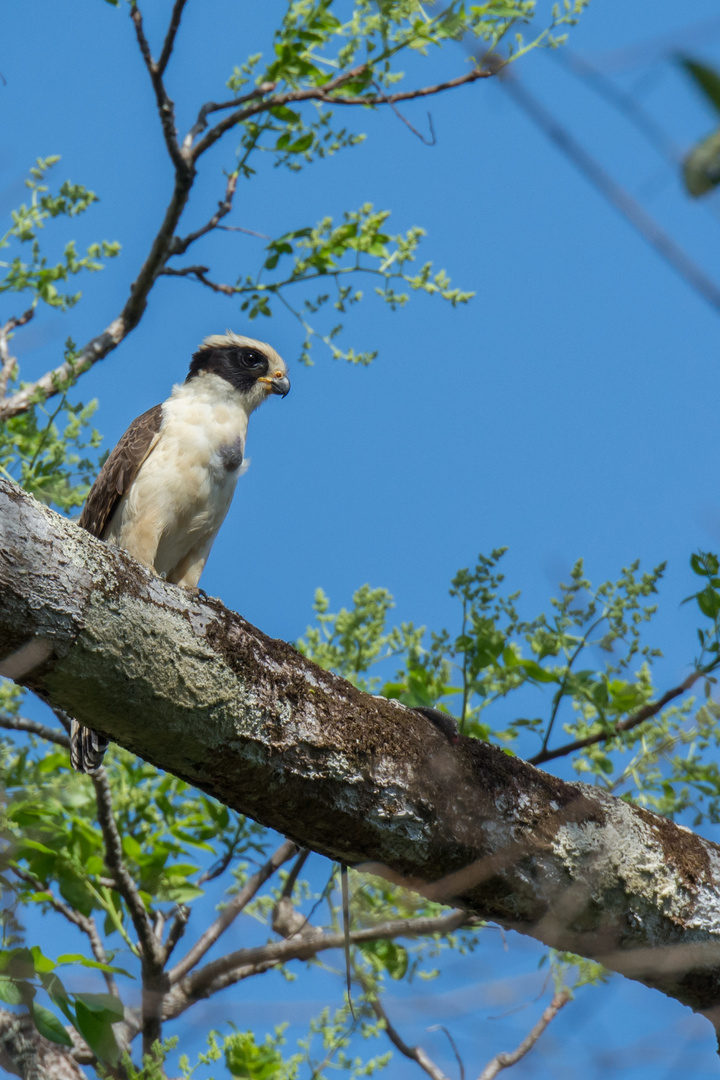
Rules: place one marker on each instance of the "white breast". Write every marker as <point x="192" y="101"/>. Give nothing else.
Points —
<point x="183" y="491"/>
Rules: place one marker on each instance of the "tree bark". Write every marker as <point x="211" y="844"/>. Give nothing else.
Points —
<point x="195" y="689"/>
<point x="25" y="1053"/>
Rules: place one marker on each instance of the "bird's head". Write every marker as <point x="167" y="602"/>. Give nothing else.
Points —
<point x="253" y="368"/>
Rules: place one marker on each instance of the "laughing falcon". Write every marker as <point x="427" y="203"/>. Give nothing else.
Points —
<point x="165" y="489"/>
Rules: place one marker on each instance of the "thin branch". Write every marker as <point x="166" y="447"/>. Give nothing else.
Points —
<point x="220" y="865"/>
<point x="242" y="229"/>
<point x="123" y="882"/>
<point x="456" y="1052"/>
<point x="203" y="982"/>
<point x="213" y="106"/>
<point x="327" y="95"/>
<point x="86" y="923"/>
<point x="415" y="1053"/>
<point x="177" y="929"/>
<point x="98" y="347"/>
<point x="227" y="916"/>
<point x="21" y="723"/>
<point x="7" y="361"/>
<point x="169" y="42"/>
<point x="200" y="274"/>
<point x="561" y="689"/>
<point x="184" y="159"/>
<point x="154" y="980"/>
<point x="287" y="889"/>
<point x="639" y="717"/>
<point x="505" y="1060"/>
<point x="166" y="107"/>
<point x="179" y="246"/>
<point x="423" y="139"/>
<point x="630" y="209"/>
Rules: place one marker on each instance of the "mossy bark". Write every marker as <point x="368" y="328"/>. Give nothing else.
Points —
<point x="195" y="689"/>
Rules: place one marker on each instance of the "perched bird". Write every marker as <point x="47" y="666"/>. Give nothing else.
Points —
<point x="165" y="489"/>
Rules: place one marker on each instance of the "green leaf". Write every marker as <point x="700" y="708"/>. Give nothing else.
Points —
<point x="701" y="167"/>
<point x="42" y="963"/>
<point x="49" y="1025"/>
<point x="78" y="958"/>
<point x="537" y="673"/>
<point x="76" y="893"/>
<point x="103" y="1005"/>
<point x="97" y="1032"/>
<point x="387" y="956"/>
<point x="10" y="991"/>
<point x="301" y="144"/>
<point x="58" y="995"/>
<point x="709" y="602"/>
<point x="245" y="1060"/>
<point x="706" y="79"/>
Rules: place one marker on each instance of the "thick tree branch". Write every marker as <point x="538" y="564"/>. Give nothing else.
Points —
<point x="232" y="909"/>
<point x="505" y="1060"/>
<point x="195" y="689"/>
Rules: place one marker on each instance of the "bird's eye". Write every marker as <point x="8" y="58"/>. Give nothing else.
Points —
<point x="250" y="359"/>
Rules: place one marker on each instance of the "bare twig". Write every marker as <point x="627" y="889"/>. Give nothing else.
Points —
<point x="561" y="689"/>
<point x="242" y="229"/>
<point x="21" y="723"/>
<point x="7" y="361"/>
<point x="456" y="1052"/>
<point x="220" y="866"/>
<point x="179" y="245"/>
<point x="415" y="1053"/>
<point x="177" y="929"/>
<point x="200" y="274"/>
<point x="213" y="106"/>
<point x="287" y="850"/>
<point x="505" y="1060"/>
<point x="639" y="717"/>
<point x="287" y="889"/>
<point x="169" y="42"/>
<point x="166" y="107"/>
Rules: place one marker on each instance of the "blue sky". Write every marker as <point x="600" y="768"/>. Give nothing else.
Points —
<point x="569" y="410"/>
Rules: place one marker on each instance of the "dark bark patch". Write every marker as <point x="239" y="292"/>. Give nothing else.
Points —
<point x="681" y="848"/>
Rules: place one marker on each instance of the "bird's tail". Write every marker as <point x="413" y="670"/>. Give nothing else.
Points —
<point x="87" y="748"/>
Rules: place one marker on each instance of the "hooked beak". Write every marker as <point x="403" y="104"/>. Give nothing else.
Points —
<point x="279" y="385"/>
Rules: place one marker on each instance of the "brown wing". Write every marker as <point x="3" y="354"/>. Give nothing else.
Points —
<point x="119" y="471"/>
